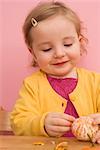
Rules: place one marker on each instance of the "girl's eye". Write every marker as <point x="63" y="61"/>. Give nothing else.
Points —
<point x="46" y="50"/>
<point x="68" y="45"/>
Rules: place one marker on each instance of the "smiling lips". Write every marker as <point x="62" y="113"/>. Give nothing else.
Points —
<point x="60" y="63"/>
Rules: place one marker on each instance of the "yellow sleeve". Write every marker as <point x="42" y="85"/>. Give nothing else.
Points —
<point x="98" y="97"/>
<point x="26" y="117"/>
<point x="98" y="92"/>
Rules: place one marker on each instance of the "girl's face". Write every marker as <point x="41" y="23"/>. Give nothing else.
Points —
<point x="56" y="46"/>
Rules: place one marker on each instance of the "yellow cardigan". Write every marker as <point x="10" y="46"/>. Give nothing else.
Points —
<point x="37" y="98"/>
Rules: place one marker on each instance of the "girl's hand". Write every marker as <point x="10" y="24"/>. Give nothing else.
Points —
<point x="96" y="118"/>
<point x="56" y="124"/>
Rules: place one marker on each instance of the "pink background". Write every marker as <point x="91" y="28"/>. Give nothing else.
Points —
<point x="15" y="58"/>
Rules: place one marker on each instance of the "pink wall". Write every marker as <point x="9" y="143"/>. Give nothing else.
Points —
<point x="15" y="60"/>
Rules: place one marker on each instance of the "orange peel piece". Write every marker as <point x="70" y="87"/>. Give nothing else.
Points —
<point x="62" y="146"/>
<point x="38" y="143"/>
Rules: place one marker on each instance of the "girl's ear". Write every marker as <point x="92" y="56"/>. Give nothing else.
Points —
<point x="32" y="52"/>
<point x="81" y="45"/>
<point x="80" y="38"/>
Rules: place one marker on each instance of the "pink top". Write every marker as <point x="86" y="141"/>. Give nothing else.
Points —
<point x="64" y="87"/>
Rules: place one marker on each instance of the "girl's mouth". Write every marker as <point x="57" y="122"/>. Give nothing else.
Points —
<point x="60" y="63"/>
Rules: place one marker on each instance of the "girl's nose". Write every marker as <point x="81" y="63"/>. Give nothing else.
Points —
<point x="59" y="52"/>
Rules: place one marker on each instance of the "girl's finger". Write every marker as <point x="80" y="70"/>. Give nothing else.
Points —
<point x="60" y="122"/>
<point x="96" y="115"/>
<point x="62" y="116"/>
<point x="55" y="134"/>
<point x="66" y="117"/>
<point x="59" y="129"/>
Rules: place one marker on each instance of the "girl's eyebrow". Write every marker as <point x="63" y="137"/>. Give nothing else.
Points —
<point x="43" y="43"/>
<point x="65" y="38"/>
<point x="69" y="38"/>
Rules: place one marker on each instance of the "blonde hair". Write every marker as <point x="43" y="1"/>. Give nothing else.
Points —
<point x="43" y="11"/>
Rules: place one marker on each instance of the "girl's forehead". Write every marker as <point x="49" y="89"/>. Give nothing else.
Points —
<point x="55" y="25"/>
<point x="55" y="21"/>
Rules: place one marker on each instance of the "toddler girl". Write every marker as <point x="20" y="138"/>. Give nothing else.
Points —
<point x="51" y="98"/>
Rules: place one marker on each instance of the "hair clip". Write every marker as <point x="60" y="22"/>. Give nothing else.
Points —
<point x="34" y="22"/>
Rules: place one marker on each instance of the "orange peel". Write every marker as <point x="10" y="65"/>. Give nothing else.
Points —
<point x="38" y="143"/>
<point x="62" y="146"/>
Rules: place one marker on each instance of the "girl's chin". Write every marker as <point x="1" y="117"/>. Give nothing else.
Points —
<point x="60" y="75"/>
<point x="64" y="73"/>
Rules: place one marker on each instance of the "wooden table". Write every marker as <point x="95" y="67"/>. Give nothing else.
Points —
<point x="26" y="143"/>
<point x="12" y="142"/>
